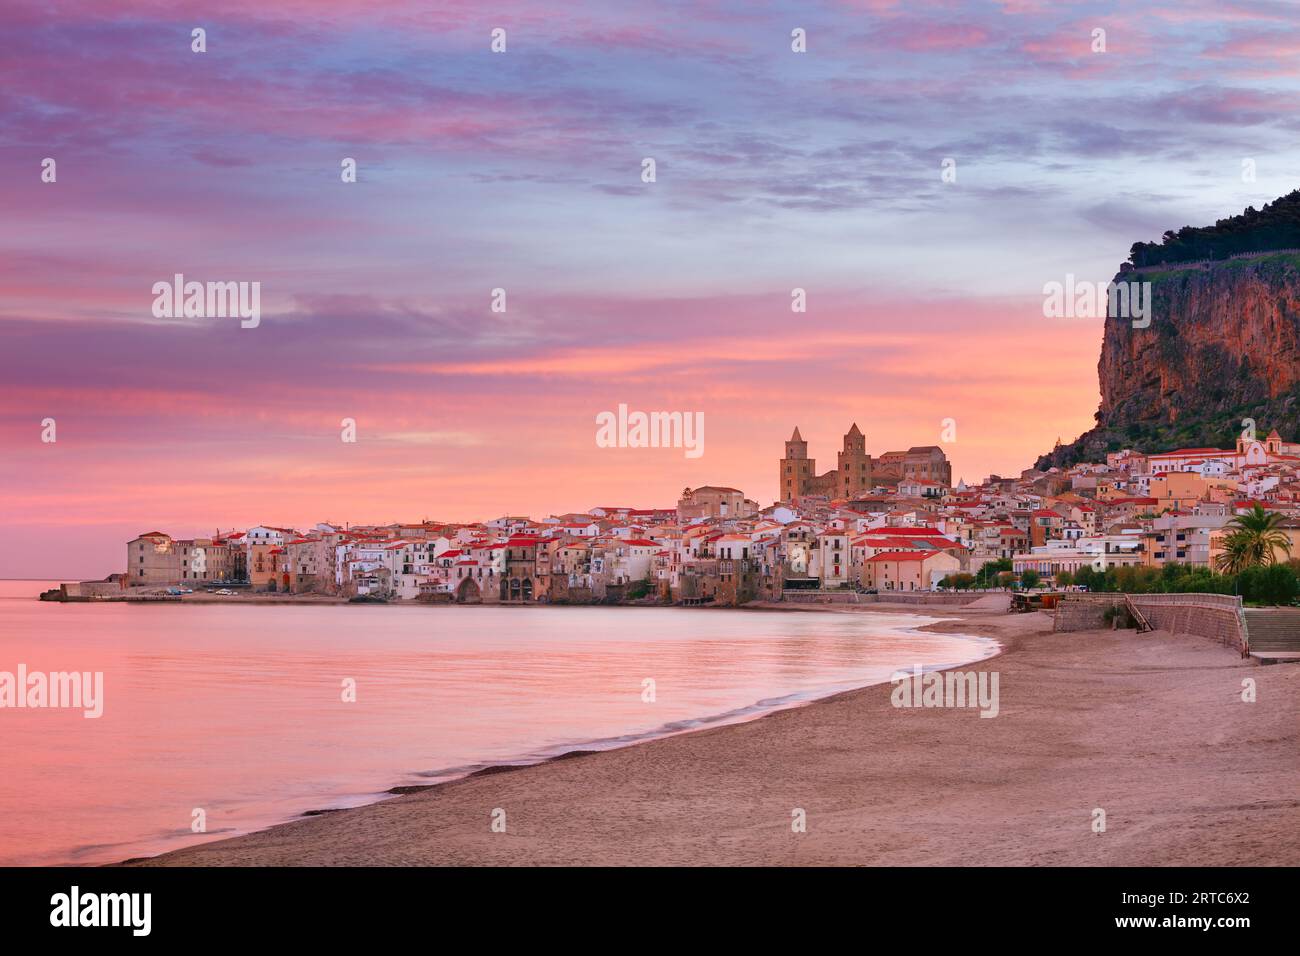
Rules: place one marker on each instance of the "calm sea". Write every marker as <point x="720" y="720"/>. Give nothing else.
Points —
<point x="238" y="711"/>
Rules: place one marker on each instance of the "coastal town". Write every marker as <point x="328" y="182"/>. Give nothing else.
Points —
<point x="890" y="523"/>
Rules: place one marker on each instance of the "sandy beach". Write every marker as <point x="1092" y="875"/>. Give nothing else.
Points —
<point x="1151" y="728"/>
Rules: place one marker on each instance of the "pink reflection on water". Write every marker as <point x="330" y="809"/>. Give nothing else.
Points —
<point x="239" y="711"/>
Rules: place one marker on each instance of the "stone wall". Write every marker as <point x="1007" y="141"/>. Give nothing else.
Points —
<point x="888" y="597"/>
<point x="87" y="590"/>
<point x="1215" y="616"/>
<point x="1084" y="612"/>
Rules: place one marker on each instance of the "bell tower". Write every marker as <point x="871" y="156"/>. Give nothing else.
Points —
<point x="855" y="470"/>
<point x="796" y="467"/>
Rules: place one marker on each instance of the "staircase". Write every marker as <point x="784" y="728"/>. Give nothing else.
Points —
<point x="1274" y="633"/>
<point x="1142" y="623"/>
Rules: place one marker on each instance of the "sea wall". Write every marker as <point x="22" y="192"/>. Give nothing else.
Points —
<point x="1214" y="616"/>
<point x="889" y="597"/>
<point x="1084" y="612"/>
<point x="90" y="590"/>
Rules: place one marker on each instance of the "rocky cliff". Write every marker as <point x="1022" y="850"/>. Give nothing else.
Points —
<point x="1223" y="345"/>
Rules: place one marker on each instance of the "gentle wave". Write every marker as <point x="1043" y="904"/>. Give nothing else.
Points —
<point x="237" y="711"/>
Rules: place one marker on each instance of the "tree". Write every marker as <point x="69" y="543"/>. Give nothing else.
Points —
<point x="1275" y="226"/>
<point x="1029" y="578"/>
<point x="989" y="571"/>
<point x="639" y="590"/>
<point x="1064" y="579"/>
<point x="1133" y="579"/>
<point x="1274" y="584"/>
<point x="1233" y="559"/>
<point x="1254" y="541"/>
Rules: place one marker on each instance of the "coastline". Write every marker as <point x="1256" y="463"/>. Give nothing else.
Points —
<point x="902" y="620"/>
<point x="941" y="602"/>
<point x="1148" y="727"/>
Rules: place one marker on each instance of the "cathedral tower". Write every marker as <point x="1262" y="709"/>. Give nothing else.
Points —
<point x="855" y="472"/>
<point x="796" y="467"/>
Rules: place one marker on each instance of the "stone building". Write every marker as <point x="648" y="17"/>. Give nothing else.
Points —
<point x="856" y="472"/>
<point x="155" y="558"/>
<point x="711" y="501"/>
<point x="921" y="462"/>
<point x="853" y="475"/>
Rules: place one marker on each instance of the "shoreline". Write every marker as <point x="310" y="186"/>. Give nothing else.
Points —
<point x="739" y="716"/>
<point x="947" y="600"/>
<point x="1148" y="727"/>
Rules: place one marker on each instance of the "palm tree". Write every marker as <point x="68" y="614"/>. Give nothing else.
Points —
<point x="1254" y="541"/>
<point x="1233" y="558"/>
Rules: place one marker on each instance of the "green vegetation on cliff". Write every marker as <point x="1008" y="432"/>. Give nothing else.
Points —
<point x="1218" y="429"/>
<point x="1222" y="346"/>
<point x="1276" y="226"/>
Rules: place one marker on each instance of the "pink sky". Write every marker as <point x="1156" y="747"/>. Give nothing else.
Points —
<point x="521" y="171"/>
<point x="146" y="441"/>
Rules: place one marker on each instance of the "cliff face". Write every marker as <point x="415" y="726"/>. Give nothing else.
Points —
<point x="1223" y="345"/>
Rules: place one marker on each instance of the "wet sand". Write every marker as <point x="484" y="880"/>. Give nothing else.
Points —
<point x="1151" y="728"/>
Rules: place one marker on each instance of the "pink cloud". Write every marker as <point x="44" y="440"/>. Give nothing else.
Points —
<point x="926" y="36"/>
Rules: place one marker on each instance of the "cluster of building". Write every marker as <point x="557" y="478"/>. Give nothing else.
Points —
<point x="1162" y="508"/>
<point x="889" y="523"/>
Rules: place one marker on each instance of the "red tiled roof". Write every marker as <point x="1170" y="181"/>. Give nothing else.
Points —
<point x="901" y="556"/>
<point x="1183" y="452"/>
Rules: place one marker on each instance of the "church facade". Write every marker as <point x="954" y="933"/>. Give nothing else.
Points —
<point x="856" y="472"/>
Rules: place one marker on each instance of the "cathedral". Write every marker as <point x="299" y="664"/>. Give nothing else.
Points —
<point x="857" y="472"/>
